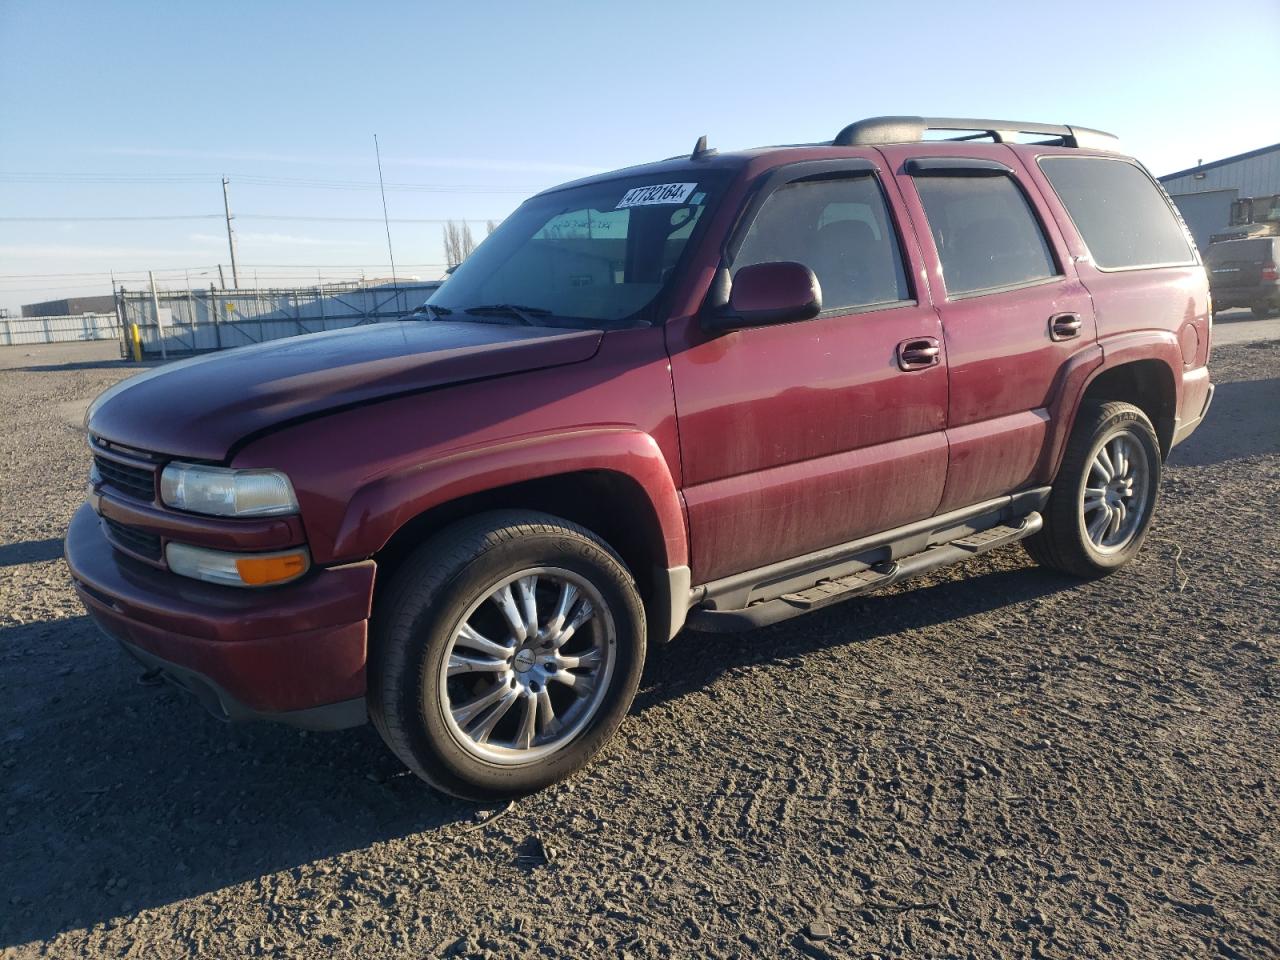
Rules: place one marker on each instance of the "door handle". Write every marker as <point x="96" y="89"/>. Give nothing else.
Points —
<point x="918" y="354"/>
<point x="1064" y="326"/>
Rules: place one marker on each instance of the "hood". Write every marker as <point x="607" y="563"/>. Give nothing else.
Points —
<point x="200" y="408"/>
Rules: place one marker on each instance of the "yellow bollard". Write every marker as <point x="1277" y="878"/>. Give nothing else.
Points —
<point x="137" y="342"/>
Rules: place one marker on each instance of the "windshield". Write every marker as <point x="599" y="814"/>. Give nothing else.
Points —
<point x="599" y="255"/>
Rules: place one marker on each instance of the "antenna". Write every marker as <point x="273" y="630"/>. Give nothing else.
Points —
<point x="700" y="149"/>
<point x="395" y="285"/>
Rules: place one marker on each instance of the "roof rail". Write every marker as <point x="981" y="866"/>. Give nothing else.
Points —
<point x="879" y="130"/>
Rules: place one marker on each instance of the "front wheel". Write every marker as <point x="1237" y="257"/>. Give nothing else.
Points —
<point x="505" y="653"/>
<point x="1105" y="493"/>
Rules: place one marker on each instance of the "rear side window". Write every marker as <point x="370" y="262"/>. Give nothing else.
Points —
<point x="985" y="232"/>
<point x="839" y="229"/>
<point x="1122" y="216"/>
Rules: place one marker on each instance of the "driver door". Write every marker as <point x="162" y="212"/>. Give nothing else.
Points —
<point x="801" y="436"/>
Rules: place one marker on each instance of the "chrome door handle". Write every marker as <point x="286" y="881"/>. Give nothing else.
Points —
<point x="1064" y="326"/>
<point x="918" y="354"/>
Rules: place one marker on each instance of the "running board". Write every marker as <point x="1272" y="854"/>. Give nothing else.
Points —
<point x="826" y="592"/>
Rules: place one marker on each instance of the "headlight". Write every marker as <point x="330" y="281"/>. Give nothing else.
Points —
<point x="222" y="492"/>
<point x="237" y="569"/>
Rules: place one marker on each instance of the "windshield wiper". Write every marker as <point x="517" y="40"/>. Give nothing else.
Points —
<point x="430" y="311"/>
<point x="524" y="314"/>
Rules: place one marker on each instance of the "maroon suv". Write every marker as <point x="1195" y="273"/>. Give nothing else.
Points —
<point x="718" y="390"/>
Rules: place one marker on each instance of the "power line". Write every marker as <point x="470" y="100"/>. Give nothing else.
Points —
<point x="211" y="266"/>
<point x="267" y="181"/>
<point x="273" y="216"/>
<point x="182" y="216"/>
<point x="239" y="216"/>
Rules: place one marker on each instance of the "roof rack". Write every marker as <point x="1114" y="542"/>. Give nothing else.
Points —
<point x="880" y="130"/>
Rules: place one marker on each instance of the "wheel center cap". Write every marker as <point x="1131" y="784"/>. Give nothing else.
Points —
<point x="524" y="661"/>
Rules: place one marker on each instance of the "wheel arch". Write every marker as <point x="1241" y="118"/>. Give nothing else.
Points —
<point x="613" y="481"/>
<point x="610" y="504"/>
<point x="1149" y="385"/>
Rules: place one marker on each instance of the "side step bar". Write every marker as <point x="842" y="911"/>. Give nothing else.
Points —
<point x="826" y="592"/>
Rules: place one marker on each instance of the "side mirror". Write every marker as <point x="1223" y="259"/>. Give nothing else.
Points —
<point x="764" y="294"/>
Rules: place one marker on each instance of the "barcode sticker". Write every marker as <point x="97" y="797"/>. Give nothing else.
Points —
<point x="658" y="193"/>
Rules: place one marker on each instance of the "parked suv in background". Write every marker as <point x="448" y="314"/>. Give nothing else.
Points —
<point x="1243" y="273"/>
<point x="718" y="390"/>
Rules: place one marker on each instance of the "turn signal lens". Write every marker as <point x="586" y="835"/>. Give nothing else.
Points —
<point x="237" y="569"/>
<point x="277" y="568"/>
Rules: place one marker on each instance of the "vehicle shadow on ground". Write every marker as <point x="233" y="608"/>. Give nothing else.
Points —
<point x="118" y="797"/>
<point x="1232" y="429"/>
<point x="30" y="551"/>
<point x="144" y="800"/>
<point x="695" y="659"/>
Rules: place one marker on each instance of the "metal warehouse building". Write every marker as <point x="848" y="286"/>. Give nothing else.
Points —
<point x="1205" y="193"/>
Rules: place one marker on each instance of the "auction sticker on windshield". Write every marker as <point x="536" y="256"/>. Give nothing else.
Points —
<point x="658" y="193"/>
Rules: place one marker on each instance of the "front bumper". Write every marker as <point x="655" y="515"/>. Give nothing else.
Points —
<point x="294" y="653"/>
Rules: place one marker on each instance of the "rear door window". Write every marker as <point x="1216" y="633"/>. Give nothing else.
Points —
<point x="1123" y="217"/>
<point x="838" y="228"/>
<point x="985" y="232"/>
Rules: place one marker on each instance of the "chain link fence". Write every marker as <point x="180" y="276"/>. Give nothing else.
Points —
<point x="83" y="326"/>
<point x="196" y="321"/>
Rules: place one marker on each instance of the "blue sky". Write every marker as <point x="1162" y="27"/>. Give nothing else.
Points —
<point x="138" y="108"/>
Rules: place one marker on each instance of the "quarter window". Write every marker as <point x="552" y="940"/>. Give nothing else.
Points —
<point x="838" y="228"/>
<point x="985" y="232"/>
<point x="1122" y="216"/>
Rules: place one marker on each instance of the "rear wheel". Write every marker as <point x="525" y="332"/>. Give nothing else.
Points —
<point x="1261" y="310"/>
<point x="505" y="653"/>
<point x="1105" y="493"/>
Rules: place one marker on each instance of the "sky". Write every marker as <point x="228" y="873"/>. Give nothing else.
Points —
<point x="138" y="109"/>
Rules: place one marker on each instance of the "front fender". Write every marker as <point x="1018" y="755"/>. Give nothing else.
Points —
<point x="381" y="507"/>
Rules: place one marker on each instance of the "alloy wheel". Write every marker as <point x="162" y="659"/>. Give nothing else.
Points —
<point x="1115" y="498"/>
<point x="528" y="666"/>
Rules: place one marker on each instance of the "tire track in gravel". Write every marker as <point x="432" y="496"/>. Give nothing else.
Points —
<point x="992" y="761"/>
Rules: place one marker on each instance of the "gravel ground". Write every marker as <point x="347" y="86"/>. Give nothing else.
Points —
<point x="993" y="761"/>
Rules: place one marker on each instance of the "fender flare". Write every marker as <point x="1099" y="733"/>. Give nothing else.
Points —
<point x="1079" y="373"/>
<point x="381" y="507"/>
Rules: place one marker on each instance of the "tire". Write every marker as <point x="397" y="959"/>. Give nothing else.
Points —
<point x="1261" y="310"/>
<point x="556" y="706"/>
<point x="1069" y="541"/>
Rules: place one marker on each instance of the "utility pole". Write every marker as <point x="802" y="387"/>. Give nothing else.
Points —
<point x="231" y="237"/>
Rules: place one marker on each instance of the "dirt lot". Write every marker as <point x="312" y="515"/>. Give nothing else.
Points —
<point x="992" y="761"/>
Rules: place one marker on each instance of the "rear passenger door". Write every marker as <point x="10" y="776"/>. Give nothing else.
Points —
<point x="1013" y="311"/>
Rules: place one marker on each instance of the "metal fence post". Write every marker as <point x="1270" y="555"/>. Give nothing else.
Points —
<point x="124" y="332"/>
<point x="214" y="317"/>
<point x="155" y="303"/>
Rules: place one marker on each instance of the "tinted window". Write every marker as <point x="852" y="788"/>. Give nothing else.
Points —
<point x="985" y="233"/>
<point x="840" y="229"/>
<point x="1121" y="214"/>
<point x="1251" y="251"/>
